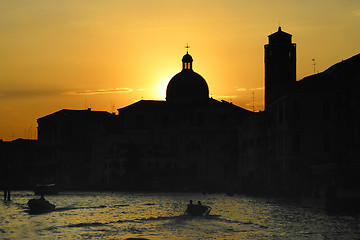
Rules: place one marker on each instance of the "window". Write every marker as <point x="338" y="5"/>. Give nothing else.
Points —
<point x="200" y="119"/>
<point x="140" y="122"/>
<point x="168" y="165"/>
<point x="165" y="121"/>
<point x="193" y="148"/>
<point x="296" y="111"/>
<point x="258" y="142"/>
<point x="280" y="144"/>
<point x="326" y="111"/>
<point x="296" y="144"/>
<point x="281" y="113"/>
<point x="222" y="118"/>
<point x="326" y="142"/>
<point x="187" y="65"/>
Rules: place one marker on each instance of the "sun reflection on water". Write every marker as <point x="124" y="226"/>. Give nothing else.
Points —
<point x="160" y="216"/>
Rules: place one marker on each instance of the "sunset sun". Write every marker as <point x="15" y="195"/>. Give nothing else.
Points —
<point x="159" y="91"/>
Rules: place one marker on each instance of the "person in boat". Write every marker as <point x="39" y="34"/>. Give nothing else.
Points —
<point x="190" y="206"/>
<point x="197" y="210"/>
<point x="42" y="199"/>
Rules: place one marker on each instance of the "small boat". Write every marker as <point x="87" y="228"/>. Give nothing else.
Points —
<point x="197" y="210"/>
<point x="46" y="189"/>
<point x="40" y="206"/>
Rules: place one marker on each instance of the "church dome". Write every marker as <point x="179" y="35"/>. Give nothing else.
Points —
<point x="187" y="85"/>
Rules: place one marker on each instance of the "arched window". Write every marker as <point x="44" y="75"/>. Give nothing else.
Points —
<point x="296" y="111"/>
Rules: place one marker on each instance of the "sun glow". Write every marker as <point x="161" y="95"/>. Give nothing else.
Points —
<point x="161" y="85"/>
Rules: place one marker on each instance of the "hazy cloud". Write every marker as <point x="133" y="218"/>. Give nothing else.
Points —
<point x="47" y="92"/>
<point x="241" y="89"/>
<point x="28" y="93"/>
<point x="100" y="91"/>
<point x="225" y="97"/>
<point x="255" y="89"/>
<point x="251" y="89"/>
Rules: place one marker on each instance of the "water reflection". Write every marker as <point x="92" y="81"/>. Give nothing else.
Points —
<point x="160" y="216"/>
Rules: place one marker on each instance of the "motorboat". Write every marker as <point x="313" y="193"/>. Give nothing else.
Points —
<point x="197" y="210"/>
<point x="40" y="205"/>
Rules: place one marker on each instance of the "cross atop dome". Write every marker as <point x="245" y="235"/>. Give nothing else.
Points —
<point x="187" y="47"/>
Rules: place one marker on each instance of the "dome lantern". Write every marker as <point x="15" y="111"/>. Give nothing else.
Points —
<point x="187" y="61"/>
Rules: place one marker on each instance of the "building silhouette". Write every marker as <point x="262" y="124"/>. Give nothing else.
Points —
<point x="19" y="165"/>
<point x="305" y="141"/>
<point x="311" y="124"/>
<point x="66" y="141"/>
<point x="186" y="142"/>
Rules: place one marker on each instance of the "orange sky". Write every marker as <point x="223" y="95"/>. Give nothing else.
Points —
<point x="110" y="53"/>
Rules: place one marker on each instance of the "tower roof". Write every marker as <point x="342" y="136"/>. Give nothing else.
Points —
<point x="280" y="37"/>
<point x="280" y="32"/>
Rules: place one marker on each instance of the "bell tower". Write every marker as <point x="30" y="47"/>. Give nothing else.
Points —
<point x="280" y="65"/>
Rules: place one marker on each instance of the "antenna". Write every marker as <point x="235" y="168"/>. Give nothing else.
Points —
<point x="253" y="98"/>
<point x="112" y="107"/>
<point x="314" y="63"/>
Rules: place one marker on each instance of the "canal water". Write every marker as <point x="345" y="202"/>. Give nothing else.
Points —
<point x="119" y="215"/>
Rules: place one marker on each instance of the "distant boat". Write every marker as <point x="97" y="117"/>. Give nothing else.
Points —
<point x="197" y="210"/>
<point x="40" y="206"/>
<point x="46" y="189"/>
